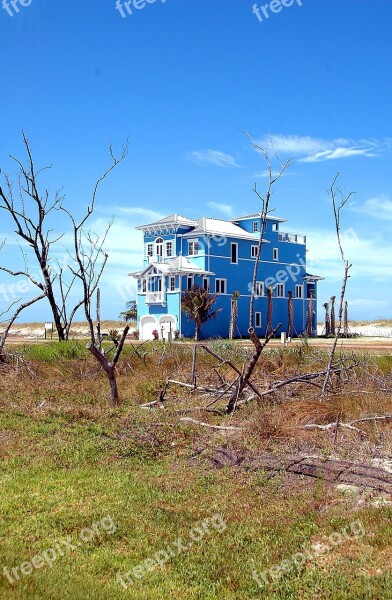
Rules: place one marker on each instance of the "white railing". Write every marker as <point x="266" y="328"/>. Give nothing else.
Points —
<point x="155" y="298"/>
<point x="292" y="238"/>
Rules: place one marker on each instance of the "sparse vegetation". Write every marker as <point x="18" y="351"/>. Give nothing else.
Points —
<point x="69" y="458"/>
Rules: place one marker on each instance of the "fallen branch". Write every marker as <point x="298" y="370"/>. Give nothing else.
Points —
<point x="219" y="427"/>
<point x="335" y="426"/>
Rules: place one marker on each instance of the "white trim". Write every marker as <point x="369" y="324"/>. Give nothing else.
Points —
<point x="194" y="243"/>
<point x="220" y="279"/>
<point x="277" y="287"/>
<point x="301" y="287"/>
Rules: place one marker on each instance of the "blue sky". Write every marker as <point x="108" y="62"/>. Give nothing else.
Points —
<point x="181" y="78"/>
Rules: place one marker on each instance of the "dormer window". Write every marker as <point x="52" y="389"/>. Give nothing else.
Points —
<point x="159" y="247"/>
<point x="255" y="226"/>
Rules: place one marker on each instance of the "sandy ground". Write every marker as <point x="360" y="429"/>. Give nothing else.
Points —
<point x="367" y="330"/>
<point x="374" y="337"/>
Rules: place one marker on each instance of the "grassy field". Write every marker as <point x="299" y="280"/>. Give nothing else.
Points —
<point x="91" y="493"/>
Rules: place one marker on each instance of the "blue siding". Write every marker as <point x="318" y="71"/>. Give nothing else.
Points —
<point x="289" y="270"/>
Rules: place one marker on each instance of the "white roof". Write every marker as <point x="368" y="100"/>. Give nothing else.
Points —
<point x="174" y="220"/>
<point x="258" y="216"/>
<point x="220" y="227"/>
<point x="176" y="266"/>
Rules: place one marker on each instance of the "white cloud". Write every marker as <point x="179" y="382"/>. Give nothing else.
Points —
<point x="213" y="157"/>
<point x="226" y="209"/>
<point x="310" y="150"/>
<point x="368" y="303"/>
<point x="337" y="153"/>
<point x="139" y="213"/>
<point x="370" y="257"/>
<point x="379" y="207"/>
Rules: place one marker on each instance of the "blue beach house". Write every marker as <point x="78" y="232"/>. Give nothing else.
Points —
<point x="219" y="254"/>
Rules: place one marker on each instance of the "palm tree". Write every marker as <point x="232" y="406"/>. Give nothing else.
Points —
<point x="233" y="314"/>
<point x="333" y="330"/>
<point x="268" y="330"/>
<point x="345" y="326"/>
<point x="309" y="316"/>
<point x="131" y="313"/>
<point x="197" y="304"/>
<point x="290" y="307"/>
<point x="327" y="319"/>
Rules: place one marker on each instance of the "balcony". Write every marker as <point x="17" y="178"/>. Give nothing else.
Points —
<point x="292" y="238"/>
<point x="155" y="298"/>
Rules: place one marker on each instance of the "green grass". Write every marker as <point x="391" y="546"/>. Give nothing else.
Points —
<point x="69" y="465"/>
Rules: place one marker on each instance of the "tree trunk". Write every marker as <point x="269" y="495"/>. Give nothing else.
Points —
<point x="345" y="326"/>
<point x="113" y="386"/>
<point x="290" y="316"/>
<point x="333" y="324"/>
<point x="309" y="319"/>
<point x="269" y="314"/>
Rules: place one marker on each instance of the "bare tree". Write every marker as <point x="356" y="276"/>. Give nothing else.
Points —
<point x="290" y="315"/>
<point x="309" y="315"/>
<point x="333" y="317"/>
<point x="233" y="314"/>
<point x="265" y="211"/>
<point x="345" y="325"/>
<point x="327" y="319"/>
<point x="10" y="321"/>
<point x="30" y="215"/>
<point x="339" y="200"/>
<point x="270" y="294"/>
<point x="95" y="344"/>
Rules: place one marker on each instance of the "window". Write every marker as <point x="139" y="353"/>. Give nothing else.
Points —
<point x="144" y="286"/>
<point x="206" y="283"/>
<point x="280" y="290"/>
<point x="159" y="285"/>
<point x="276" y="254"/>
<point x="159" y="247"/>
<point x="189" y="283"/>
<point x="234" y="253"/>
<point x="255" y="226"/>
<point x="259" y="288"/>
<point x="258" y="319"/>
<point x="172" y="284"/>
<point x="254" y="251"/>
<point x="275" y="227"/>
<point x="169" y="248"/>
<point x="193" y="248"/>
<point x="220" y="286"/>
<point x="299" y="291"/>
<point x="150" y="249"/>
